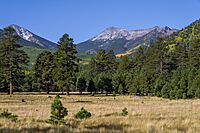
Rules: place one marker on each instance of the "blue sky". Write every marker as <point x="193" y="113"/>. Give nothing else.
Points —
<point x="83" y="19"/>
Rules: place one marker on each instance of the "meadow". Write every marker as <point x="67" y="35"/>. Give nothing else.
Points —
<point x="145" y="114"/>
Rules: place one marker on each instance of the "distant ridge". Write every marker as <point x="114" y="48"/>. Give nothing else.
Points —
<point x="121" y="40"/>
<point x="28" y="38"/>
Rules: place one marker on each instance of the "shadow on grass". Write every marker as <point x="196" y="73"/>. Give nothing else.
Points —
<point x="10" y="101"/>
<point x="80" y="101"/>
<point x="109" y="127"/>
<point x="38" y="130"/>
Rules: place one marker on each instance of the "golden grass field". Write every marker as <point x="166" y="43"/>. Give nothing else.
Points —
<point x="146" y="114"/>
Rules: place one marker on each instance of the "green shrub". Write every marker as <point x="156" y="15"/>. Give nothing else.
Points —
<point x="58" y="112"/>
<point x="83" y="114"/>
<point x="124" y="112"/>
<point x="8" y="115"/>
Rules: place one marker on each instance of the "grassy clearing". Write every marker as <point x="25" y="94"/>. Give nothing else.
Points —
<point x="145" y="114"/>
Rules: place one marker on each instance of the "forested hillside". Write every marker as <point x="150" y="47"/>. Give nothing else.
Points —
<point x="168" y="68"/>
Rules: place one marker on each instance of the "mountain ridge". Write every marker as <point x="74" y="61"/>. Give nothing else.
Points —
<point x="27" y="38"/>
<point x="121" y="40"/>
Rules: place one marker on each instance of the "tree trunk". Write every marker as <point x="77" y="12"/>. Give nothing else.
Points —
<point x="10" y="88"/>
<point x="62" y="91"/>
<point x="68" y="90"/>
<point x="47" y="87"/>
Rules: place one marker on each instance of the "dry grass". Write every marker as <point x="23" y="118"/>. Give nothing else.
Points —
<point x="146" y="114"/>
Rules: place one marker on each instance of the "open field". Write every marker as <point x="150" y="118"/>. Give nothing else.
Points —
<point x="146" y="114"/>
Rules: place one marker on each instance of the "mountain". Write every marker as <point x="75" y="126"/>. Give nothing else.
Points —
<point x="121" y="40"/>
<point x="28" y="38"/>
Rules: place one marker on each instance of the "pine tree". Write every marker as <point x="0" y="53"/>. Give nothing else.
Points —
<point x="43" y="70"/>
<point x="81" y="84"/>
<point x="104" y="83"/>
<point x="159" y="83"/>
<point x="92" y="68"/>
<point x="194" y="53"/>
<point x="111" y="64"/>
<point x="191" y="78"/>
<point x="182" y="55"/>
<point x="14" y="60"/>
<point x="101" y="59"/>
<point x="166" y="90"/>
<point x="91" y="87"/>
<point x="65" y="63"/>
<point x="139" y="57"/>
<point x="58" y="112"/>
<point x="124" y="63"/>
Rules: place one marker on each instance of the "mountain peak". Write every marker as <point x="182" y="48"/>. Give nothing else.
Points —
<point x="112" y="28"/>
<point x="167" y="28"/>
<point x="30" y="39"/>
<point x="120" y="39"/>
<point x="14" y="25"/>
<point x="112" y="33"/>
<point x="156" y="27"/>
<point x="22" y="32"/>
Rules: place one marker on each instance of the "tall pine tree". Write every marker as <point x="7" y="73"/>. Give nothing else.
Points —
<point x="14" y="61"/>
<point x="65" y="63"/>
<point x="43" y="71"/>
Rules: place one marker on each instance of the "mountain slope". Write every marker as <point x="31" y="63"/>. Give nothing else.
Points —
<point x="28" y="38"/>
<point x="33" y="53"/>
<point x="121" y="40"/>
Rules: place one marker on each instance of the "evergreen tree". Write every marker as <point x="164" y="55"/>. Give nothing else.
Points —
<point x="166" y="90"/>
<point x="111" y="63"/>
<point x="159" y="83"/>
<point x="101" y="60"/>
<point x="81" y="84"/>
<point x="191" y="87"/>
<point x="14" y="61"/>
<point x="58" y="112"/>
<point x="195" y="87"/>
<point x="140" y="57"/>
<point x="43" y="71"/>
<point x="194" y="53"/>
<point x="124" y="63"/>
<point x="182" y="55"/>
<point x="104" y="83"/>
<point x="65" y="63"/>
<point x="92" y="68"/>
<point x="91" y="87"/>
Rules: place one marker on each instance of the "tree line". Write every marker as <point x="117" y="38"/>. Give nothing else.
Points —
<point x="168" y="68"/>
<point x="52" y="71"/>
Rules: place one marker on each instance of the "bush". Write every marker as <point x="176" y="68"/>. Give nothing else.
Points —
<point x="58" y="112"/>
<point x="8" y="115"/>
<point x="83" y="114"/>
<point x="124" y="112"/>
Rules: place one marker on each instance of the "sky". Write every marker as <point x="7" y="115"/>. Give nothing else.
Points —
<point x="83" y="19"/>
